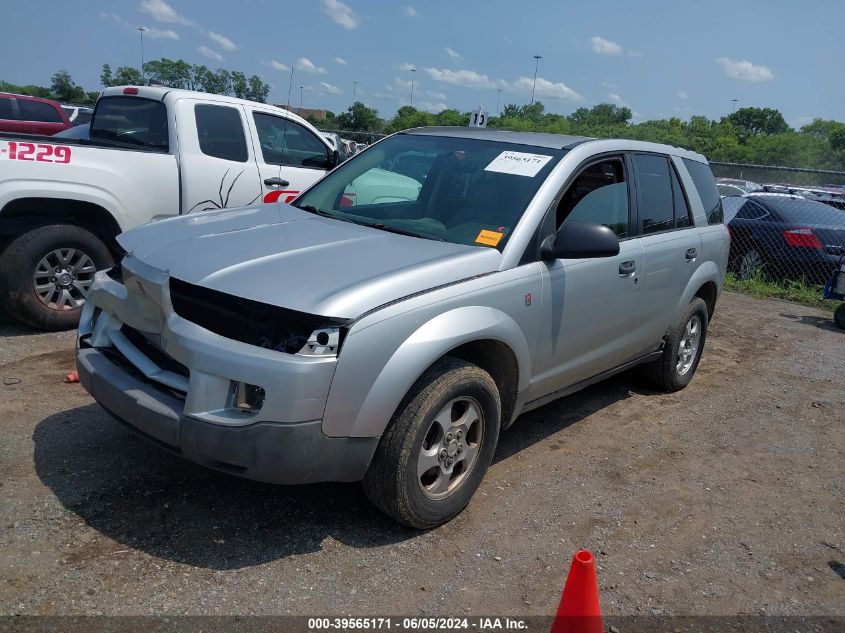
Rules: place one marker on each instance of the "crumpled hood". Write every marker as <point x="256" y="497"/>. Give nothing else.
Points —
<point x="283" y="256"/>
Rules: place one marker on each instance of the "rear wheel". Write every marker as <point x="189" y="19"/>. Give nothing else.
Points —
<point x="438" y="446"/>
<point x="45" y="274"/>
<point x="682" y="350"/>
<point x="751" y="264"/>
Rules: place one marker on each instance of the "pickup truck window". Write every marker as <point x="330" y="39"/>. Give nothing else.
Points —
<point x="131" y="121"/>
<point x="37" y="111"/>
<point x="598" y="195"/>
<point x="707" y="190"/>
<point x="6" y="109"/>
<point x="221" y="132"/>
<point x="284" y="142"/>
<point x="472" y="191"/>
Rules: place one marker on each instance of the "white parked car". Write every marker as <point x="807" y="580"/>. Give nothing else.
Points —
<point x="153" y="152"/>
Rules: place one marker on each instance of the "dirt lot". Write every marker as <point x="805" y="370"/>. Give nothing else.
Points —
<point x="725" y="498"/>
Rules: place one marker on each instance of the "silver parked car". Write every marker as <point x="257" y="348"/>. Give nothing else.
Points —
<point x="391" y="339"/>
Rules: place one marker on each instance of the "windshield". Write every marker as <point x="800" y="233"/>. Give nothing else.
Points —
<point x="459" y="190"/>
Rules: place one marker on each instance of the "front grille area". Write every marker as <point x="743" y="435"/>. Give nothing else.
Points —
<point x="245" y="320"/>
<point x="159" y="357"/>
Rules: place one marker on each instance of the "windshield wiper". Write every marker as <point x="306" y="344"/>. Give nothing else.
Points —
<point x="395" y="229"/>
<point x="312" y="209"/>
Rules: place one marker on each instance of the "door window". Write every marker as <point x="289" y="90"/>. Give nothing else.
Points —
<point x="683" y="218"/>
<point x="598" y="195"/>
<point x="656" y="206"/>
<point x="221" y="132"/>
<point x="285" y="142"/>
<point x="38" y="111"/>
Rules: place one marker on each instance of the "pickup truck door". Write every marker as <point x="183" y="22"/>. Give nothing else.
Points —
<point x="216" y="159"/>
<point x="671" y="249"/>
<point x="290" y="156"/>
<point x="589" y="304"/>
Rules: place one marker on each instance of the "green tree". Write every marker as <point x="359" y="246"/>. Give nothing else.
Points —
<point x="360" y="118"/>
<point x="240" y="85"/>
<point x="65" y="90"/>
<point x="757" y="122"/>
<point x="258" y="90"/>
<point x="124" y="76"/>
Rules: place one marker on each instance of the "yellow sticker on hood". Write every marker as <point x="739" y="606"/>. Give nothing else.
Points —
<point x="490" y="238"/>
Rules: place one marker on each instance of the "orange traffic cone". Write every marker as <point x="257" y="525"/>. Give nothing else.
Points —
<point x="579" y="610"/>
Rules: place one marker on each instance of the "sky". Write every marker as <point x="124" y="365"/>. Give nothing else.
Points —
<point x="661" y="58"/>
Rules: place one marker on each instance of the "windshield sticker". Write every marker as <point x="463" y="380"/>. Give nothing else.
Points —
<point x="489" y="238"/>
<point x="518" y="163"/>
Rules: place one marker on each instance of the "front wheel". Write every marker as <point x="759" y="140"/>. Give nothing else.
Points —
<point x="45" y="274"/>
<point x="438" y="446"/>
<point x="682" y="350"/>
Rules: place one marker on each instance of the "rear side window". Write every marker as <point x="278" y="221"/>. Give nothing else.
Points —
<point x="707" y="190"/>
<point x="221" y="132"/>
<point x="751" y="211"/>
<point x="6" y="109"/>
<point x="131" y="121"/>
<point x="656" y="205"/>
<point x="38" y="111"/>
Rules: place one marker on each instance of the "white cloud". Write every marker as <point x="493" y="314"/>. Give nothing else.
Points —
<point x="438" y="96"/>
<point x="150" y="32"/>
<point x="277" y="65"/>
<point x="341" y="14"/>
<point x="682" y="94"/>
<point x="545" y="88"/>
<point x="406" y="66"/>
<point x="605" y="47"/>
<point x="340" y="60"/>
<point x="204" y="50"/>
<point x="610" y="84"/>
<point x="744" y="69"/>
<point x="433" y="107"/>
<point x="328" y="88"/>
<point x="616" y="99"/>
<point x="452" y="53"/>
<point x="409" y="11"/>
<point x="163" y="12"/>
<point x="463" y="78"/>
<point x="634" y="53"/>
<point x="222" y="41"/>
<point x="306" y="65"/>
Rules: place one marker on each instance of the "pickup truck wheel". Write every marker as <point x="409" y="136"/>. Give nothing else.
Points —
<point x="682" y="351"/>
<point x="45" y="275"/>
<point x="438" y="446"/>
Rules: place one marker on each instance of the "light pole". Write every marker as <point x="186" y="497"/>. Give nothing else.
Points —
<point x="290" y="86"/>
<point x="354" y="91"/>
<point x="141" y="29"/>
<point x="300" y="99"/>
<point x="733" y="107"/>
<point x="537" y="59"/>
<point x="498" y="97"/>
<point x="413" y="70"/>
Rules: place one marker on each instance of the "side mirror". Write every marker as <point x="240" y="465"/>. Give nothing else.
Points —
<point x="333" y="159"/>
<point x="578" y="240"/>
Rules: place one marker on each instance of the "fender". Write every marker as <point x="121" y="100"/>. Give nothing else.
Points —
<point x="11" y="191"/>
<point x="707" y="271"/>
<point x="361" y="404"/>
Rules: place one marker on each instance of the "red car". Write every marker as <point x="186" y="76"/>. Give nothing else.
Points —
<point x="31" y="115"/>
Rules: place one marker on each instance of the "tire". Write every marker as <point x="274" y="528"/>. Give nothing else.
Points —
<point x="450" y="389"/>
<point x="751" y="264"/>
<point x="41" y="249"/>
<point x="669" y="372"/>
<point x="839" y="316"/>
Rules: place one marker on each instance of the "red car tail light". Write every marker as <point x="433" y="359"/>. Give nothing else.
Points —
<point x="802" y="238"/>
<point x="130" y="91"/>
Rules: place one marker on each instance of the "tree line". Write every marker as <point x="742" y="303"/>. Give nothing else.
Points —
<point x="748" y="135"/>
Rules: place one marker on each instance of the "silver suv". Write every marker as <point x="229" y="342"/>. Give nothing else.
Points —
<point x="407" y="308"/>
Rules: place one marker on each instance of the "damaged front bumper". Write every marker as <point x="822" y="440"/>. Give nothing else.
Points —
<point x="177" y="383"/>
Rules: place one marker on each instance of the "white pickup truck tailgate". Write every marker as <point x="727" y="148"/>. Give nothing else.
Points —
<point x="134" y="186"/>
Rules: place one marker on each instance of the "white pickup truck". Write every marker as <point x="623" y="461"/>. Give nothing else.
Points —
<point x="153" y="152"/>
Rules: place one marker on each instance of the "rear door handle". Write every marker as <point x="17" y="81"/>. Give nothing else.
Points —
<point x="626" y="269"/>
<point x="276" y="182"/>
<point x="691" y="254"/>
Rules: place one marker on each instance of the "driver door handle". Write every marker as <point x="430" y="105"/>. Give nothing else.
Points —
<point x="691" y="254"/>
<point x="276" y="182"/>
<point x="626" y="269"/>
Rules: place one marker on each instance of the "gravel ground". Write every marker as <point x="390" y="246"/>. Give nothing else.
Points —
<point x="725" y="498"/>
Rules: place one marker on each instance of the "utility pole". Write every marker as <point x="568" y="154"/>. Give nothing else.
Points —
<point x="733" y="108"/>
<point x="354" y="91"/>
<point x="413" y="70"/>
<point x="537" y="59"/>
<point x="498" y="97"/>
<point x="300" y="99"/>
<point x="141" y="29"/>
<point x="290" y="86"/>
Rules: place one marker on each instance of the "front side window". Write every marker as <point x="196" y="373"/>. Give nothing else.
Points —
<point x="133" y="121"/>
<point x="221" y="132"/>
<point x="38" y="111"/>
<point x="285" y="142"/>
<point x="598" y="195"/>
<point x="656" y="206"/>
<point x="459" y="190"/>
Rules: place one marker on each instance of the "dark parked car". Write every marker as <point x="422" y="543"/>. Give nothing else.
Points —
<point x="781" y="236"/>
<point x="736" y="186"/>
<point x="77" y="131"/>
<point x="31" y="115"/>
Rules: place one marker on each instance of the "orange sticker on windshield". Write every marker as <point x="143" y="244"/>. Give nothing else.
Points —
<point x="490" y="238"/>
